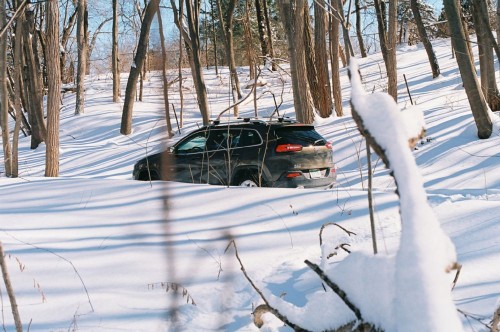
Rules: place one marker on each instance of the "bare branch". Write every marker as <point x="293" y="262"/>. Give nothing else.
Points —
<point x="335" y="288"/>
<point x="271" y="309"/>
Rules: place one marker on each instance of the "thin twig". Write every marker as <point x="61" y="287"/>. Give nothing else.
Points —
<point x="64" y="259"/>
<point x="274" y="311"/>
<point x="335" y="288"/>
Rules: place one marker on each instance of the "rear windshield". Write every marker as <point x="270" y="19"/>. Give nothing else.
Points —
<point x="304" y="135"/>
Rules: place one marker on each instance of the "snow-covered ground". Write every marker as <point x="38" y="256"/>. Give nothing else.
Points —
<point x="91" y="251"/>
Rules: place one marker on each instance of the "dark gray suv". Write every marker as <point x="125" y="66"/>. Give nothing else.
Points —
<point x="280" y="153"/>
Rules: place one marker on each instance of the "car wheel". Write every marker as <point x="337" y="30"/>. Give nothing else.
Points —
<point x="248" y="183"/>
<point x="249" y="179"/>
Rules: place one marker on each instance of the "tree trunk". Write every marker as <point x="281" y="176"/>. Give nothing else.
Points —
<point x="294" y="22"/>
<point x="361" y="43"/>
<point x="18" y="63"/>
<point x="498" y="22"/>
<point x="135" y="70"/>
<point x="269" y="35"/>
<point x="248" y="41"/>
<point x="388" y="43"/>
<point x="114" y="55"/>
<point x="321" y="57"/>
<point x="425" y="39"/>
<point x="477" y="101"/>
<point x="312" y="73"/>
<point x="349" y="51"/>
<point x="164" y="74"/>
<point x="4" y="98"/>
<point x="391" y="66"/>
<point x="181" y="56"/>
<point x="54" y="89"/>
<point x="192" y="40"/>
<point x="227" y="27"/>
<point x="486" y="60"/>
<point x="334" y="34"/>
<point x="261" y="28"/>
<point x="32" y="83"/>
<point x="82" y="58"/>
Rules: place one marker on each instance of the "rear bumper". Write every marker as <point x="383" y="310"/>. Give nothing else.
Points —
<point x="304" y="181"/>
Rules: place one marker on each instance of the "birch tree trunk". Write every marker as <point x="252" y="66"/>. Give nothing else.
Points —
<point x="54" y="88"/>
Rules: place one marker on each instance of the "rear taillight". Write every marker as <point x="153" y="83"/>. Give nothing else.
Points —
<point x="288" y="148"/>
<point x="328" y="145"/>
<point x="291" y="175"/>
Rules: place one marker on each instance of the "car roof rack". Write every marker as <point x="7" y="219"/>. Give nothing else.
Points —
<point x="252" y="120"/>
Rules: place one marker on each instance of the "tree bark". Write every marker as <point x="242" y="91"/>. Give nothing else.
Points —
<point x="227" y="27"/>
<point x="321" y="58"/>
<point x="4" y="98"/>
<point x="361" y="43"/>
<point x="261" y="28"/>
<point x="54" y="89"/>
<point x="135" y="70"/>
<point x="334" y="34"/>
<point x="486" y="60"/>
<point x="191" y="37"/>
<point x="164" y="75"/>
<point x="114" y="55"/>
<point x="18" y="63"/>
<point x="82" y="57"/>
<point x="294" y="23"/>
<point x="310" y="56"/>
<point x="33" y="84"/>
<point x="388" y="43"/>
<point x="425" y="39"/>
<point x="477" y="101"/>
<point x="269" y="35"/>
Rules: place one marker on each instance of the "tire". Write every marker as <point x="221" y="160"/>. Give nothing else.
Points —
<point x="249" y="179"/>
<point x="148" y="176"/>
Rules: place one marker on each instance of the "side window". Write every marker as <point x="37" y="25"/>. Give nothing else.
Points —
<point x="248" y="138"/>
<point x="193" y="144"/>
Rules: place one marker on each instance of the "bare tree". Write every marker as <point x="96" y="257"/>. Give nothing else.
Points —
<point x="425" y="39"/>
<point x="68" y="23"/>
<point x="334" y="34"/>
<point x="4" y="98"/>
<point x="53" y="88"/>
<point x="18" y="64"/>
<point x="164" y="75"/>
<point x="33" y="83"/>
<point x="388" y="43"/>
<point x="361" y="43"/>
<point x="227" y="28"/>
<point x="82" y="45"/>
<point x="114" y="55"/>
<point x="192" y="40"/>
<point x="480" y="17"/>
<point x="321" y="59"/>
<point x="472" y="87"/>
<point x="135" y="70"/>
<point x="292" y="15"/>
